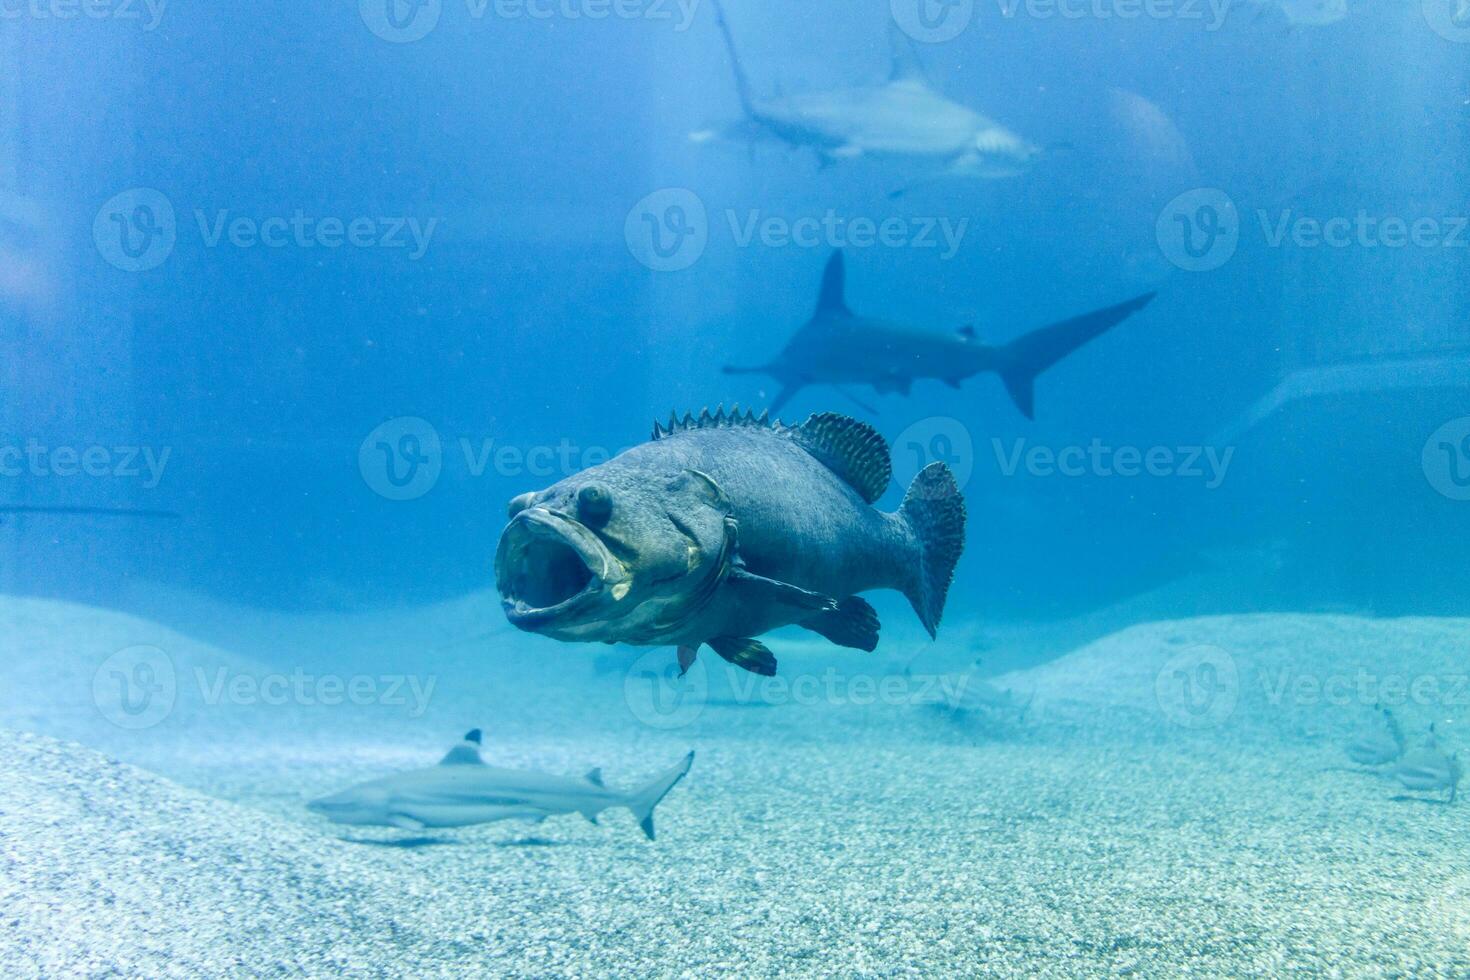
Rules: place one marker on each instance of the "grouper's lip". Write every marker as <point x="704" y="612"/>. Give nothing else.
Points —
<point x="550" y="567"/>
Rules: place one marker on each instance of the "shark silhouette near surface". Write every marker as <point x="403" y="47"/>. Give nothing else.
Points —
<point x="462" y="791"/>
<point x="839" y="347"/>
<point x="902" y="118"/>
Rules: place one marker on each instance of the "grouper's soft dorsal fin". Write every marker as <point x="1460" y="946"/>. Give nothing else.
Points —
<point x="466" y="753"/>
<point x="834" y="284"/>
<point x="852" y="449"/>
<point x="906" y="64"/>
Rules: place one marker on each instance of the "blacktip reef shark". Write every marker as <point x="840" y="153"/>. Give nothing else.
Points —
<point x="839" y="347"/>
<point x="462" y="790"/>
<point x="1429" y="768"/>
<point x="903" y="118"/>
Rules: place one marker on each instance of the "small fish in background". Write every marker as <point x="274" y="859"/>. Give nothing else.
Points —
<point x="1429" y="769"/>
<point x="837" y="347"/>
<point x="1379" y="747"/>
<point x="724" y="527"/>
<point x="903" y="118"/>
<point x="462" y="791"/>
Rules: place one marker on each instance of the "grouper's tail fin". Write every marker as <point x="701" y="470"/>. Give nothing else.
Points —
<point x="1029" y="355"/>
<point x="935" y="513"/>
<point x="642" y="801"/>
<point x="742" y="84"/>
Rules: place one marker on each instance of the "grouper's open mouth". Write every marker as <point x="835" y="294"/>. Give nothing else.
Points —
<point x="549" y="568"/>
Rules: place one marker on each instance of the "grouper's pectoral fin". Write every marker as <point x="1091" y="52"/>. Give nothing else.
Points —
<point x="751" y="655"/>
<point x="853" y="623"/>
<point x="759" y="590"/>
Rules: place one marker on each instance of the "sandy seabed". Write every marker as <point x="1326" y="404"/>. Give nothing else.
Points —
<point x="1171" y="798"/>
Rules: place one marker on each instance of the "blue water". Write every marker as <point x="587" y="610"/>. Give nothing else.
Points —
<point x="295" y="297"/>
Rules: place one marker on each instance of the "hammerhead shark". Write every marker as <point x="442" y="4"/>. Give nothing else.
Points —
<point x="462" y="790"/>
<point x="903" y="118"/>
<point x="839" y="347"/>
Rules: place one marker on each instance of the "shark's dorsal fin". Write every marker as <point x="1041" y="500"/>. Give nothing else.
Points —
<point x="852" y="449"/>
<point x="466" y="753"/>
<point x="594" y="777"/>
<point x="831" y="299"/>
<point x="906" y="64"/>
<point x="967" y="332"/>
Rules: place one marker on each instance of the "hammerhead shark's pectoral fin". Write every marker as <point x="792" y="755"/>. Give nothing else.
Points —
<point x="785" y="395"/>
<point x="751" y="655"/>
<point x="403" y="822"/>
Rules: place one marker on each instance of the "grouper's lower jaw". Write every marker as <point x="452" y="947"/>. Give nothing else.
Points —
<point x="552" y="571"/>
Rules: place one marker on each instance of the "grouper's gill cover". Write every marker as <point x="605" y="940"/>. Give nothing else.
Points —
<point x="723" y="527"/>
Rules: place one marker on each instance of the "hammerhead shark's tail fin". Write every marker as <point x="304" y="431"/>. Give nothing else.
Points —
<point x="742" y="84"/>
<point x="1027" y="356"/>
<point x="642" y="801"/>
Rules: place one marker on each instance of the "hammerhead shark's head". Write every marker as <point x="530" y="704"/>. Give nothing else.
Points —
<point x="462" y="790"/>
<point x="903" y="118"/>
<point x="839" y="347"/>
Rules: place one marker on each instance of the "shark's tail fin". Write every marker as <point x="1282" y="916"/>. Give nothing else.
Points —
<point x="1027" y="356"/>
<point x="742" y="84"/>
<point x="935" y="512"/>
<point x="642" y="801"/>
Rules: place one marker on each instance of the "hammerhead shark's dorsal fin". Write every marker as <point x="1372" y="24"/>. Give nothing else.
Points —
<point x="594" y="777"/>
<point x="831" y="299"/>
<point x="850" y="448"/>
<point x="466" y="753"/>
<point x="906" y="64"/>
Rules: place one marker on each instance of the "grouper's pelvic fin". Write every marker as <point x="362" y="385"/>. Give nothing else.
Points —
<point x="935" y="514"/>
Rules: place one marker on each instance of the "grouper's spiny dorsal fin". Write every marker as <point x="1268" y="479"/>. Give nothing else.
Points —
<point x="852" y="449"/>
<point x="719" y="420"/>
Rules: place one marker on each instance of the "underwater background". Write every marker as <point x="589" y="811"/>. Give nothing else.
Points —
<point x="295" y="297"/>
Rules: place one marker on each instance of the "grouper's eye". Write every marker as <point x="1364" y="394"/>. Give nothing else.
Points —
<point x="518" y="504"/>
<point x="594" y="504"/>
